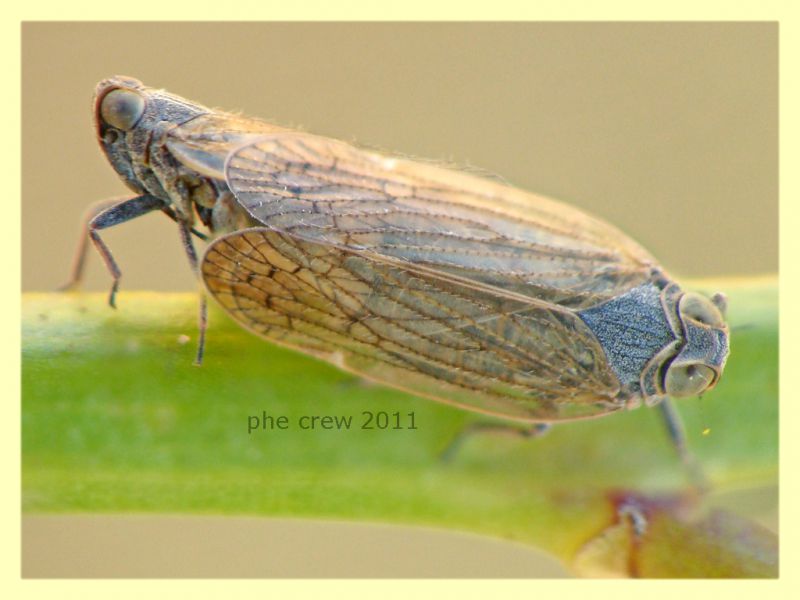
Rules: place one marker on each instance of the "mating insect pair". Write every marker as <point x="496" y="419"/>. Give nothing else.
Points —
<point x="447" y="285"/>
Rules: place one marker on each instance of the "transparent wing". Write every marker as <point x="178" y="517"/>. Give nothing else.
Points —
<point x="326" y="190"/>
<point x="202" y="144"/>
<point x="403" y="325"/>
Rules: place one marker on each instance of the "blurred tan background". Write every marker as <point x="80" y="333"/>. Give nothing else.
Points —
<point x="667" y="130"/>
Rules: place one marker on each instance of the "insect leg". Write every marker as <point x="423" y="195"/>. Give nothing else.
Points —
<point x="202" y="320"/>
<point x="677" y="435"/>
<point x="530" y="431"/>
<point x="79" y="259"/>
<point x="102" y="216"/>
<point x="171" y="214"/>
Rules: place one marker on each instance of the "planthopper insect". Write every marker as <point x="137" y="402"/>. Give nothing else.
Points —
<point x="451" y="286"/>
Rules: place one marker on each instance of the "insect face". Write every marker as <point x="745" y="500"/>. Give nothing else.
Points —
<point x="130" y="120"/>
<point x="699" y="363"/>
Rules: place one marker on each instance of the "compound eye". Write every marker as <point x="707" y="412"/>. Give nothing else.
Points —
<point x="122" y="109"/>
<point x="688" y="380"/>
<point x="698" y="308"/>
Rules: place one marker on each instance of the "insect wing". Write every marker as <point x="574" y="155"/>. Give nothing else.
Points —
<point x="329" y="191"/>
<point x="407" y="326"/>
<point x="203" y="143"/>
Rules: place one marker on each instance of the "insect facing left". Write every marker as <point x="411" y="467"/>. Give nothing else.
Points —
<point x="450" y="286"/>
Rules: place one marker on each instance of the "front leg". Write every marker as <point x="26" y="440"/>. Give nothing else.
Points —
<point x="78" y="267"/>
<point x="102" y="216"/>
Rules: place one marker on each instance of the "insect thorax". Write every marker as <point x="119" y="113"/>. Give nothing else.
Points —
<point x="637" y="336"/>
<point x="190" y="193"/>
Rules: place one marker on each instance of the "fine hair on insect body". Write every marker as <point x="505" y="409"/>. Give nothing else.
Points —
<point x="448" y="285"/>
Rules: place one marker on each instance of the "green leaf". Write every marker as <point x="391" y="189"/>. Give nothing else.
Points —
<point x="117" y="419"/>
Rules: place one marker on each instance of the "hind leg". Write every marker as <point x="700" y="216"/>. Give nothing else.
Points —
<point x="524" y="431"/>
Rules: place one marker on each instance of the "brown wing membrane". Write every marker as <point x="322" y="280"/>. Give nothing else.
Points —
<point x="436" y="336"/>
<point x="326" y="190"/>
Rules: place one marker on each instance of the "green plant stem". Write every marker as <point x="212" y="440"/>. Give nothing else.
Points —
<point x="117" y="419"/>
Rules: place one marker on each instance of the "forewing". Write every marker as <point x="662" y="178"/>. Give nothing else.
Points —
<point x="408" y="327"/>
<point x="328" y="191"/>
<point x="202" y="144"/>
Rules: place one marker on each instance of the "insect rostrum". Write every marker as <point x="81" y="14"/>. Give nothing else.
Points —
<point x="453" y="287"/>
